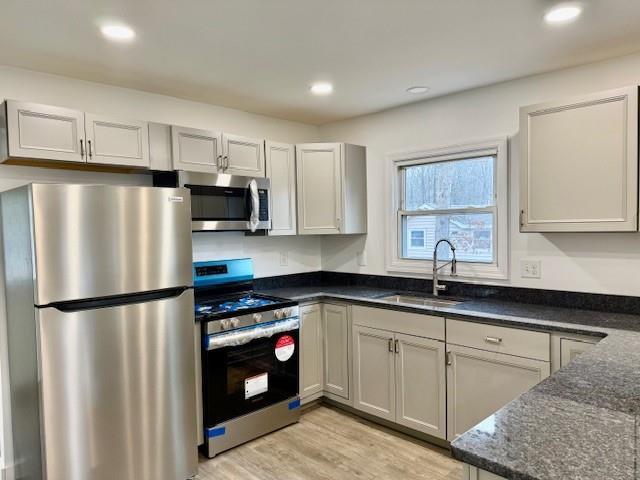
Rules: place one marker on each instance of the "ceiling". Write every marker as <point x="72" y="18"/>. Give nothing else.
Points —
<point x="261" y="55"/>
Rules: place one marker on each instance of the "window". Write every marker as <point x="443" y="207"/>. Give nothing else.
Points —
<point x="458" y="193"/>
<point x="417" y="238"/>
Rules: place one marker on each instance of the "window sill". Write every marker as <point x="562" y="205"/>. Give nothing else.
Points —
<point x="484" y="271"/>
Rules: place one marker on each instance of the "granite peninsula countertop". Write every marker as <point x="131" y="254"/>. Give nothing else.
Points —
<point x="580" y="423"/>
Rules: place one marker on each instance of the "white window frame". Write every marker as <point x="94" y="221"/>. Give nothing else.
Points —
<point x="424" y="236"/>
<point x="498" y="147"/>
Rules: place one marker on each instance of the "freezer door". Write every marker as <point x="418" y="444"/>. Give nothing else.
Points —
<point x="118" y="391"/>
<point x="94" y="241"/>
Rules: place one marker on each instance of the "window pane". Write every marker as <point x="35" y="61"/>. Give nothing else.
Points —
<point x="450" y="184"/>
<point x="417" y="238"/>
<point x="472" y="235"/>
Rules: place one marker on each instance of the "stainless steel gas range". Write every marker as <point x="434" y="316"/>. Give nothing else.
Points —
<point x="250" y="356"/>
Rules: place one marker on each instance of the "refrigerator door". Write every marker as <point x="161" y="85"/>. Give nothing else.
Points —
<point x="118" y="391"/>
<point x="94" y="241"/>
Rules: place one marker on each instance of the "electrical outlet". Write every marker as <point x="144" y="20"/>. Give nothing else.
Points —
<point x="362" y="258"/>
<point x="284" y="259"/>
<point x="530" y="268"/>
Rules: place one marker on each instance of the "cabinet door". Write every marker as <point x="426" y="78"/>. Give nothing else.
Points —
<point x="572" y="149"/>
<point x="319" y="174"/>
<point x="113" y="141"/>
<point x="243" y="156"/>
<point x="281" y="170"/>
<point x="45" y="132"/>
<point x="310" y="351"/>
<point x="336" y="350"/>
<point x="196" y="150"/>
<point x="570" y="349"/>
<point x="565" y="347"/>
<point x="374" y="372"/>
<point x="420" y="384"/>
<point x="479" y="383"/>
<point x="473" y="473"/>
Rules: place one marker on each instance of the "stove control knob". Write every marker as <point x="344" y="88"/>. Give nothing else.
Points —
<point x="278" y="314"/>
<point x="224" y="324"/>
<point x="287" y="312"/>
<point x="235" y="322"/>
<point x="257" y="317"/>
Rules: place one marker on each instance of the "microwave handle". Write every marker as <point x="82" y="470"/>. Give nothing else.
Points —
<point x="254" y="218"/>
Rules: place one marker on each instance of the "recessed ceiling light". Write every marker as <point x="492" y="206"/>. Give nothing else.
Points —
<point x="563" y="13"/>
<point x="118" y="32"/>
<point x="321" y="88"/>
<point x="418" y="90"/>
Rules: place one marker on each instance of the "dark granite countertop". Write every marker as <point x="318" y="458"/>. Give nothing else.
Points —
<point x="580" y="423"/>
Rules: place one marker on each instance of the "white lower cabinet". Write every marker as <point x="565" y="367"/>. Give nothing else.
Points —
<point x="566" y="347"/>
<point x="481" y="382"/>
<point x="474" y="473"/>
<point x="311" y="368"/>
<point x="400" y="378"/>
<point x="420" y="384"/>
<point x="337" y="351"/>
<point x="374" y="372"/>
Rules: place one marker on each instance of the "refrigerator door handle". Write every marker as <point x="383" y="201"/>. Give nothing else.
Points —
<point x="117" y="301"/>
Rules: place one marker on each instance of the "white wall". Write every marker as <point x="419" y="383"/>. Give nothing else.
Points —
<point x="17" y="84"/>
<point x="603" y="263"/>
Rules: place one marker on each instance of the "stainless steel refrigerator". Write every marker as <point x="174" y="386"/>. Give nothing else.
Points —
<point x="100" y="332"/>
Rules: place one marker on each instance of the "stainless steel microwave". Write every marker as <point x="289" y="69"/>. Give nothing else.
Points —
<point x="221" y="202"/>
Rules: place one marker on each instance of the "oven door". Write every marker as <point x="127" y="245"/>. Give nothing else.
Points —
<point x="248" y="369"/>
<point x="225" y="202"/>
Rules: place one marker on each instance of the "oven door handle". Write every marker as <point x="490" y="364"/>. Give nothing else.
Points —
<point x="246" y="335"/>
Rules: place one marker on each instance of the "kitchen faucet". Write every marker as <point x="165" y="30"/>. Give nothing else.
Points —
<point x="441" y="288"/>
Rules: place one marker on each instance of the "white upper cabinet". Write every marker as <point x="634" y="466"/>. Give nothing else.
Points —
<point x="43" y="132"/>
<point x="196" y="150"/>
<point x="209" y="151"/>
<point x="243" y="156"/>
<point x="332" y="193"/>
<point x="114" y="141"/>
<point x="579" y="169"/>
<point x="281" y="169"/>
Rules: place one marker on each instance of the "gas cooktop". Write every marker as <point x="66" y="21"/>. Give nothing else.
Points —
<point x="245" y="302"/>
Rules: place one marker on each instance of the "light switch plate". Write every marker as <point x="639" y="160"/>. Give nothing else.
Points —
<point x="284" y="259"/>
<point x="530" y="268"/>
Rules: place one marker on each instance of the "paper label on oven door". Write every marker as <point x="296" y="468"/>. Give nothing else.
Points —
<point x="256" y="385"/>
<point x="285" y="346"/>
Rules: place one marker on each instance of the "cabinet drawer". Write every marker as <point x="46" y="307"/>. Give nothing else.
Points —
<point x="428" y="326"/>
<point x="512" y="341"/>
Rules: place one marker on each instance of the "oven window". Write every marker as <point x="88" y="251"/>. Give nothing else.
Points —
<point x="218" y="203"/>
<point x="241" y="379"/>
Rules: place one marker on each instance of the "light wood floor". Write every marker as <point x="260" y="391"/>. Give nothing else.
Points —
<point x="329" y="444"/>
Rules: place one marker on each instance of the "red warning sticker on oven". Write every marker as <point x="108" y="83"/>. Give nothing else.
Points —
<point x="285" y="346"/>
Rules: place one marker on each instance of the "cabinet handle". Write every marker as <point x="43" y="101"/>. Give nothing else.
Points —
<point x="448" y="358"/>
<point x="81" y="148"/>
<point x="218" y="158"/>
<point x="522" y="218"/>
<point x="397" y="346"/>
<point x="390" y="343"/>
<point x="225" y="164"/>
<point x="493" y="340"/>
<point x="90" y="149"/>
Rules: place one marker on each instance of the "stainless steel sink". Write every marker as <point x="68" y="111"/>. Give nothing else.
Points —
<point x="422" y="301"/>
